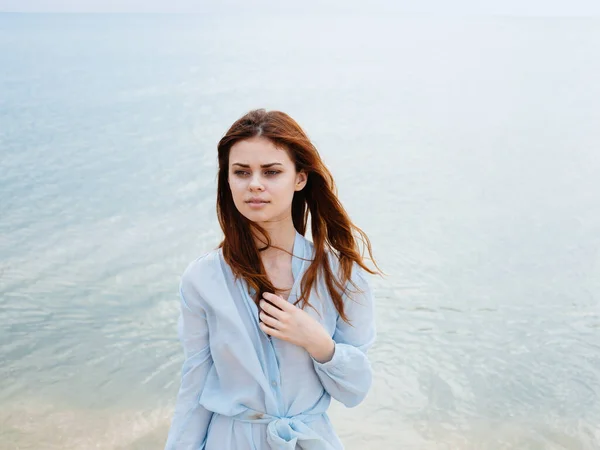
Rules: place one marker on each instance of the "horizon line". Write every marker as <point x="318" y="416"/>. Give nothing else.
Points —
<point x="340" y="11"/>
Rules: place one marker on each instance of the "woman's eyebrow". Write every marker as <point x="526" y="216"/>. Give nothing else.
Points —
<point x="264" y="166"/>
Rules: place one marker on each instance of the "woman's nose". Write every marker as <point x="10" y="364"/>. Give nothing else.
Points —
<point x="256" y="185"/>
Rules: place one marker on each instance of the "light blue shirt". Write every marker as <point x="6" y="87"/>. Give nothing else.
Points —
<point x="241" y="389"/>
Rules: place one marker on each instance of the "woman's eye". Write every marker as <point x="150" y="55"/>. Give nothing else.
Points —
<point x="245" y="173"/>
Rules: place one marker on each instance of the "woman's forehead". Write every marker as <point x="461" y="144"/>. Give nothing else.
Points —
<point x="258" y="151"/>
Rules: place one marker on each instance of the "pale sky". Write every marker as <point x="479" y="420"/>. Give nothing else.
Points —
<point x="460" y="7"/>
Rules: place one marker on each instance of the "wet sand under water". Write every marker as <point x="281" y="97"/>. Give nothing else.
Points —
<point x="43" y="427"/>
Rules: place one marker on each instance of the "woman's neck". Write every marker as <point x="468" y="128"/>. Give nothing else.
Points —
<point x="281" y="235"/>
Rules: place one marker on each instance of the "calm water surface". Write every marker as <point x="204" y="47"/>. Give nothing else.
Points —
<point x="468" y="149"/>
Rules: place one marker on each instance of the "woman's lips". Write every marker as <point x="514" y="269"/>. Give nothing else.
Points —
<point x="257" y="203"/>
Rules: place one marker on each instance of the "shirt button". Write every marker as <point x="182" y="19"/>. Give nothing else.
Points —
<point x="274" y="383"/>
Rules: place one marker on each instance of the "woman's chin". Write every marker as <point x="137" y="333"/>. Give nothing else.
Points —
<point x="257" y="216"/>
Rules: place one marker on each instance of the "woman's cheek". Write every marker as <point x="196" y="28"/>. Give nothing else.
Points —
<point x="236" y="187"/>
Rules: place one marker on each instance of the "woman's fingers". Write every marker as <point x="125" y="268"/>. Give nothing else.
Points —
<point x="270" y="321"/>
<point x="270" y="331"/>
<point x="281" y="303"/>
<point x="270" y="309"/>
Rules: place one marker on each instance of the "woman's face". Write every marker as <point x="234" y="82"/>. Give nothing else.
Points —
<point x="263" y="179"/>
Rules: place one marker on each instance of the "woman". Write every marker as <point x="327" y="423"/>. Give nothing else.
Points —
<point x="271" y="324"/>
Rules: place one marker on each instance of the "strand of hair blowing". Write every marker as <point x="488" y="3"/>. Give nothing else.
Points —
<point x="333" y="232"/>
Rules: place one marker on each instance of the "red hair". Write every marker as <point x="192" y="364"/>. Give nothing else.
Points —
<point x="331" y="228"/>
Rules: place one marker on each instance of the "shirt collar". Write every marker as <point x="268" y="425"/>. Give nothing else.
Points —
<point x="299" y="254"/>
<point x="298" y="257"/>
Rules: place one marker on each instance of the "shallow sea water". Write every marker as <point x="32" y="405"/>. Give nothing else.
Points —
<point x="466" y="148"/>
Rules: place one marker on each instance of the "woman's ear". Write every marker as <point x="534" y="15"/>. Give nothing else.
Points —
<point x="301" y="179"/>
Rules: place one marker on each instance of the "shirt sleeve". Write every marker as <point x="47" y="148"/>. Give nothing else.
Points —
<point x="348" y="375"/>
<point x="190" y="420"/>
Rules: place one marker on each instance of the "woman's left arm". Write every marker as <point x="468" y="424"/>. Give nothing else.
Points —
<point x="347" y="375"/>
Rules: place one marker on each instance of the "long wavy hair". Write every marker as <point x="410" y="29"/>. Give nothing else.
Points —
<point x="332" y="230"/>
